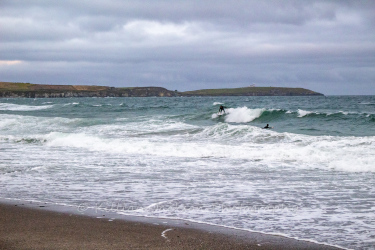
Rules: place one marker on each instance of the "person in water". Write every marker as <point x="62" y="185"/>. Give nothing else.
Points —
<point x="267" y="126"/>
<point x="221" y="109"/>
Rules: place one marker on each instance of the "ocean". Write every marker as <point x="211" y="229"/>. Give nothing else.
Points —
<point x="310" y="177"/>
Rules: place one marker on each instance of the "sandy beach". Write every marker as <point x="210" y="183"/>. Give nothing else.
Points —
<point x="28" y="228"/>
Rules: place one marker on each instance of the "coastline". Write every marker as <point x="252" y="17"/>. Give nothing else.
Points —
<point x="37" y="225"/>
<point x="28" y="90"/>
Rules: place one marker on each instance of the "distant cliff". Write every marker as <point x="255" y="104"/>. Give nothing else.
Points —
<point x="9" y="89"/>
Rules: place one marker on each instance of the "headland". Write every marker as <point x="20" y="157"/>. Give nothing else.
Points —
<point x="28" y="90"/>
<point x="253" y="91"/>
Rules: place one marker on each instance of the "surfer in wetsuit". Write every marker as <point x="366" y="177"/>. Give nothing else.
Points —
<point x="267" y="126"/>
<point x="221" y="109"/>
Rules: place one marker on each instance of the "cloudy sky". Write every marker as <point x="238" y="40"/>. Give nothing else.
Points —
<point x="325" y="46"/>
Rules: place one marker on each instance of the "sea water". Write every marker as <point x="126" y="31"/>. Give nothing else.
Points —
<point x="310" y="177"/>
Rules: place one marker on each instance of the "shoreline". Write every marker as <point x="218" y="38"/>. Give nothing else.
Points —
<point x="39" y="225"/>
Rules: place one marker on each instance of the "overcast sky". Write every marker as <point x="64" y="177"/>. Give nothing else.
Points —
<point x="325" y="46"/>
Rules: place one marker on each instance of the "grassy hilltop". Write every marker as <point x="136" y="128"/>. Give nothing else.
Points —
<point x="9" y="89"/>
<point x="18" y="86"/>
<point x="252" y="91"/>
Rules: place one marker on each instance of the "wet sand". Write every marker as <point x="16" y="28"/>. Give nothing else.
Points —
<point x="23" y="227"/>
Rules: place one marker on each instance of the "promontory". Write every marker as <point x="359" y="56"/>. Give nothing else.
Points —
<point x="28" y="90"/>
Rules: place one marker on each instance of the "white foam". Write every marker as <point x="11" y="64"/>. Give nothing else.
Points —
<point x="153" y="126"/>
<point x="344" y="113"/>
<point x="164" y="232"/>
<point x="302" y="113"/>
<point x="16" y="107"/>
<point x="231" y="141"/>
<point x="73" y="103"/>
<point x="217" y="103"/>
<point x="31" y="125"/>
<point x="351" y="154"/>
<point x="242" y="115"/>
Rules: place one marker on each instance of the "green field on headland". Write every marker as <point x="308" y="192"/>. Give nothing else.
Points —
<point x="252" y="91"/>
<point x="9" y="89"/>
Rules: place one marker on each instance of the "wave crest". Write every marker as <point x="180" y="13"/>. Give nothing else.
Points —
<point x="241" y="115"/>
<point x="16" y="107"/>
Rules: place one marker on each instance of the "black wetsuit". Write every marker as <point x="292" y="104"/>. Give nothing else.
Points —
<point x="221" y="109"/>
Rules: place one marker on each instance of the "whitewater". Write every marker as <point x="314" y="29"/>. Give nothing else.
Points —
<point x="310" y="177"/>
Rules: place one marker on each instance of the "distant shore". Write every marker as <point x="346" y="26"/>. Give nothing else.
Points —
<point x="38" y="226"/>
<point x="28" y="90"/>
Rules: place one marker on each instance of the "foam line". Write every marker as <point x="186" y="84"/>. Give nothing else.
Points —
<point x="164" y="232"/>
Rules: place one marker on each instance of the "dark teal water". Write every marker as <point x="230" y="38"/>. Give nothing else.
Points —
<point x="331" y="115"/>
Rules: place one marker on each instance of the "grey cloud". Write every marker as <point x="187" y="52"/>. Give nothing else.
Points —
<point x="240" y="11"/>
<point x="325" y="45"/>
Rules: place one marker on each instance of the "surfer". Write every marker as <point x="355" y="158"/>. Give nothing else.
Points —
<point x="268" y="126"/>
<point x="221" y="109"/>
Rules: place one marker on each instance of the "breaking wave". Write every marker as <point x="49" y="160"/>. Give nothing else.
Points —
<point x="245" y="114"/>
<point x="234" y="142"/>
<point x="17" y="107"/>
<point x="241" y="115"/>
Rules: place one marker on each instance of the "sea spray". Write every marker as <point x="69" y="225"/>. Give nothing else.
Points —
<point x="243" y="114"/>
<point x="240" y="115"/>
<point x="17" y="107"/>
